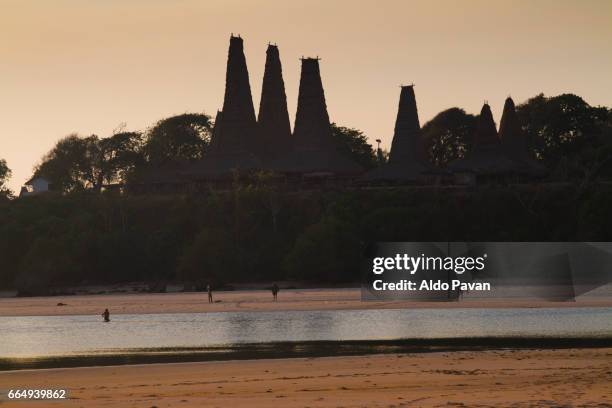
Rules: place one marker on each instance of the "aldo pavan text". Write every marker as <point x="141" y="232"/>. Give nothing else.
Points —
<point x="429" y="266"/>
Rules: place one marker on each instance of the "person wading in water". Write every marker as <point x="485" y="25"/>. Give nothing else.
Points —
<point x="209" y="290"/>
<point x="275" y="290"/>
<point x="106" y="315"/>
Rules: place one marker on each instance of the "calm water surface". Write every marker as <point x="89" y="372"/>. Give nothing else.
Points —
<point x="60" y="335"/>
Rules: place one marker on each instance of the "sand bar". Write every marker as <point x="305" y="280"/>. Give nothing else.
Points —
<point x="252" y="300"/>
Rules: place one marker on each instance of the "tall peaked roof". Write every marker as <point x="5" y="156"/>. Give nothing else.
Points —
<point x="407" y="159"/>
<point x="238" y="119"/>
<point x="312" y="126"/>
<point x="486" y="133"/>
<point x="407" y="143"/>
<point x="514" y="141"/>
<point x="313" y="150"/>
<point x="487" y="156"/>
<point x="512" y="137"/>
<point x="234" y="139"/>
<point x="273" y="119"/>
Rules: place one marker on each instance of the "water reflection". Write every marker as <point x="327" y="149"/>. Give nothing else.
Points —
<point x="58" y="335"/>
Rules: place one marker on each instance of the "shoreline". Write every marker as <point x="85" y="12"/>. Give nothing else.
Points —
<point x="576" y="377"/>
<point x="303" y="349"/>
<point x="254" y="301"/>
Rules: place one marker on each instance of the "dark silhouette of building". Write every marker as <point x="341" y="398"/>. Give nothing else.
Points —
<point x="241" y="146"/>
<point x="235" y="140"/>
<point x="238" y="114"/>
<point x="314" y="152"/>
<point x="497" y="157"/>
<point x="486" y="160"/>
<point x="514" y="143"/>
<point x="407" y="158"/>
<point x="273" y="120"/>
<point x="312" y="126"/>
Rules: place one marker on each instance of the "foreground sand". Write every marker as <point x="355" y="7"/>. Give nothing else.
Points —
<point x="255" y="300"/>
<point x="572" y="377"/>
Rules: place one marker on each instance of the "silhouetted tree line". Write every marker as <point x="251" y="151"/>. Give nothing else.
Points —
<point x="91" y="163"/>
<point x="255" y="233"/>
<point x="572" y="138"/>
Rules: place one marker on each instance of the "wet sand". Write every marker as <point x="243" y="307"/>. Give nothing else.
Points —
<point x="254" y="300"/>
<point x="521" y="378"/>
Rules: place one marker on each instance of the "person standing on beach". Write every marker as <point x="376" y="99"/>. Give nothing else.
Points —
<point x="106" y="315"/>
<point x="209" y="290"/>
<point x="275" y="290"/>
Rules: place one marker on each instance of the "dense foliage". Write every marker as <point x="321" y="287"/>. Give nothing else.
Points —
<point x="571" y="138"/>
<point x="79" y="163"/>
<point x="83" y="233"/>
<point x="5" y="174"/>
<point x="449" y="135"/>
<point x="254" y="233"/>
<point x="181" y="137"/>
<point x="354" y="143"/>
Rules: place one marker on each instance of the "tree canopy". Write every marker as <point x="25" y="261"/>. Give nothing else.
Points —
<point x="354" y="144"/>
<point x="449" y="135"/>
<point x="181" y="137"/>
<point x="78" y="163"/>
<point x="571" y="137"/>
<point x="5" y="175"/>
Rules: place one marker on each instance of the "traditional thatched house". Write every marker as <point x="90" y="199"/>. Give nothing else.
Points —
<point x="497" y="157"/>
<point x="238" y="114"/>
<point x="407" y="160"/>
<point x="235" y="138"/>
<point x="486" y="161"/>
<point x="314" y="153"/>
<point x="514" y="143"/>
<point x="273" y="119"/>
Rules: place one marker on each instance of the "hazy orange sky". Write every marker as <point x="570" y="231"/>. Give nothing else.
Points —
<point x="86" y="66"/>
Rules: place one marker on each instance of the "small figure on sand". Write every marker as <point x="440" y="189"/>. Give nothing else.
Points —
<point x="106" y="315"/>
<point x="275" y="290"/>
<point x="209" y="290"/>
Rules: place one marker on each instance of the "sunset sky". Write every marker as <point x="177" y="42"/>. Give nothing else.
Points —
<point x="87" y="66"/>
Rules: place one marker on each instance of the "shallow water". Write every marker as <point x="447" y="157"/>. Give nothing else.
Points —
<point x="37" y="336"/>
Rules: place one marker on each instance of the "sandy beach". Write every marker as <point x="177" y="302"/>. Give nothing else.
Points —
<point x="521" y="378"/>
<point x="252" y="300"/>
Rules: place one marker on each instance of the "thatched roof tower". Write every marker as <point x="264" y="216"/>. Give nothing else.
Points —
<point x="312" y="126"/>
<point x="486" y="133"/>
<point x="234" y="139"/>
<point x="407" y="142"/>
<point x="514" y="141"/>
<point x="486" y="156"/>
<point x="273" y="119"/>
<point x="220" y="162"/>
<point x="407" y="159"/>
<point x="512" y="137"/>
<point x="313" y="148"/>
<point x="238" y="119"/>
